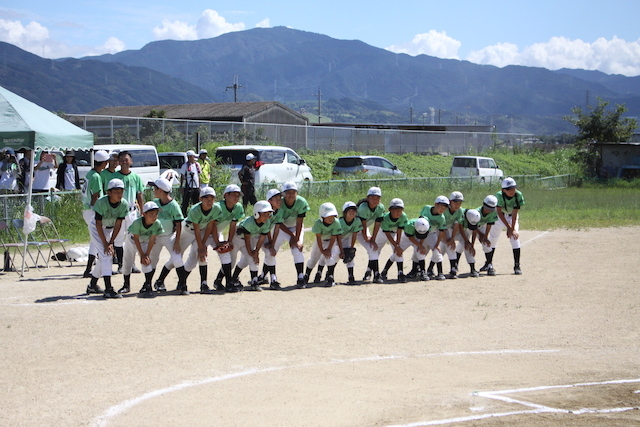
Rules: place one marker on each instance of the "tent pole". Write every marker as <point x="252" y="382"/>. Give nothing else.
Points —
<point x="29" y="194"/>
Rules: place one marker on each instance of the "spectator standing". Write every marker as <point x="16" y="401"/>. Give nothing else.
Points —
<point x="190" y="182"/>
<point x="67" y="175"/>
<point x="24" y="179"/>
<point x="206" y="167"/>
<point x="247" y="176"/>
<point x="9" y="172"/>
<point x="43" y="171"/>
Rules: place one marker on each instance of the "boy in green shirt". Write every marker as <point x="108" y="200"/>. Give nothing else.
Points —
<point x="488" y="217"/>
<point x="510" y="201"/>
<point x="328" y="231"/>
<point x="393" y="222"/>
<point x="141" y="238"/>
<point x="92" y="190"/>
<point x="437" y="233"/>
<point x="110" y="211"/>
<point x="370" y="212"/>
<point x="248" y="240"/>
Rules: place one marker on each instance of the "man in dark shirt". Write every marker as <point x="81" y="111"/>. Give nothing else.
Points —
<point x="247" y="177"/>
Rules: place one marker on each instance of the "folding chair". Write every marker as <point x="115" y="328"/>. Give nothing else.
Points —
<point x="18" y="224"/>
<point x="5" y="236"/>
<point x="50" y="234"/>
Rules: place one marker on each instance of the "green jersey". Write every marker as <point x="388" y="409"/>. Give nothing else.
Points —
<point x="465" y="223"/>
<point x="250" y="226"/>
<point x="326" y="230"/>
<point x="109" y="213"/>
<point x="224" y="216"/>
<point x="349" y="229"/>
<point x="365" y="213"/>
<point x="390" y="225"/>
<point x="197" y="216"/>
<point x="410" y="229"/>
<point x="453" y="218"/>
<point x="132" y="186"/>
<point x="290" y="214"/>
<point x="106" y="176"/>
<point x="489" y="218"/>
<point x="436" y="222"/>
<point x="276" y="218"/>
<point x="509" y="204"/>
<point x="92" y="185"/>
<point x="145" y="232"/>
<point x="169" y="214"/>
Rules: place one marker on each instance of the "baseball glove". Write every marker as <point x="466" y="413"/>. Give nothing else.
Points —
<point x="349" y="255"/>
<point x="223" y="248"/>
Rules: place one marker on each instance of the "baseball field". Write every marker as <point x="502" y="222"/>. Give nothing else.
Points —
<point x="556" y="346"/>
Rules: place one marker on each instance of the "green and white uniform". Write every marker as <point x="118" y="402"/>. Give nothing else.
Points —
<point x="508" y="205"/>
<point x="132" y="186"/>
<point x="487" y="219"/>
<point x="107" y="213"/>
<point x="388" y="229"/>
<point x="347" y="232"/>
<point x="290" y="215"/>
<point x="370" y="216"/>
<point x="452" y="220"/>
<point x="92" y="185"/>
<point x="188" y="238"/>
<point x="248" y="227"/>
<point x="169" y="215"/>
<point x="437" y="223"/>
<point x="405" y="242"/>
<point x="326" y="231"/>
<point x="224" y="217"/>
<point x="144" y="232"/>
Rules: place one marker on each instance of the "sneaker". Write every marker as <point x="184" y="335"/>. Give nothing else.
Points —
<point x="182" y="290"/>
<point x="110" y="293"/>
<point x="440" y="276"/>
<point x="377" y="278"/>
<point x="367" y="276"/>
<point x="383" y="275"/>
<point x="231" y="288"/>
<point x="275" y="286"/>
<point x="430" y="274"/>
<point x="238" y="286"/>
<point x="453" y="274"/>
<point x="159" y="285"/>
<point x="255" y="285"/>
<point x="516" y="269"/>
<point x="204" y="288"/>
<point x="94" y="289"/>
<point x="262" y="280"/>
<point x="146" y="289"/>
<point x="330" y="282"/>
<point x="301" y="283"/>
<point x="423" y="276"/>
<point x="318" y="278"/>
<point x="86" y="275"/>
<point x="351" y="281"/>
<point x="474" y="273"/>
<point x="135" y="270"/>
<point x="402" y="278"/>
<point x="124" y="290"/>
<point x="485" y="267"/>
<point x="218" y="286"/>
<point x="412" y="274"/>
<point x="491" y="271"/>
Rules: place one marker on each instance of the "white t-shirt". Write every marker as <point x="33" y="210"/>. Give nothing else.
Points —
<point x="191" y="172"/>
<point x="69" y="177"/>
<point x="41" y="176"/>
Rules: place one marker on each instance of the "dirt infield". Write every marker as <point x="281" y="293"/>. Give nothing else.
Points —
<point x="558" y="345"/>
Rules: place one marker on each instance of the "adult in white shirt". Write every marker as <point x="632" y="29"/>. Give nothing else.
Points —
<point x="42" y="171"/>
<point x="190" y="181"/>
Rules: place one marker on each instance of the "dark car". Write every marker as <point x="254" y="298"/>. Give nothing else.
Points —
<point x="369" y="165"/>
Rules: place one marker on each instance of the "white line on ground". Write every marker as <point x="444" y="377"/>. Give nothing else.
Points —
<point x="114" y="411"/>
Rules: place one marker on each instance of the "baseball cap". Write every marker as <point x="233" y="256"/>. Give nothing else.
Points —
<point x="149" y="206"/>
<point x="69" y="153"/>
<point x="262" y="206"/>
<point x="289" y="185"/>
<point x="422" y="226"/>
<point x="115" y="183"/>
<point x="10" y="151"/>
<point x="473" y="218"/>
<point x="509" y="182"/>
<point x="442" y="200"/>
<point x="456" y="196"/>
<point x="490" y="202"/>
<point x="207" y="191"/>
<point x="328" y="209"/>
<point x="191" y="153"/>
<point x="101" y="156"/>
<point x="374" y="191"/>
<point x="114" y="154"/>
<point x="272" y="192"/>
<point x="349" y="205"/>
<point x="203" y="151"/>
<point x="250" y="156"/>
<point x="162" y="184"/>
<point x="396" y="203"/>
<point x="232" y="188"/>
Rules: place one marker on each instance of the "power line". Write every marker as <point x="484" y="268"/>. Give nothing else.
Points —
<point x="235" y="86"/>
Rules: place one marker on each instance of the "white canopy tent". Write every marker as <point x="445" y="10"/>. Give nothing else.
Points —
<point x="24" y="124"/>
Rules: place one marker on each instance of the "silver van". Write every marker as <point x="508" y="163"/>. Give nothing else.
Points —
<point x="484" y="169"/>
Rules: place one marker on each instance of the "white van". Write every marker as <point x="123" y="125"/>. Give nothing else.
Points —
<point x="145" y="160"/>
<point x="273" y="163"/>
<point x="484" y="168"/>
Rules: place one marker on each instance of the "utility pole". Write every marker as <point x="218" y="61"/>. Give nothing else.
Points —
<point x="319" y="105"/>
<point x="235" y="86"/>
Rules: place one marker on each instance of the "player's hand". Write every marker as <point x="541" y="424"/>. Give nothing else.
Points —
<point x="341" y="254"/>
<point x="451" y="243"/>
<point x="273" y="252"/>
<point x="374" y="246"/>
<point x="422" y="250"/>
<point x="515" y="235"/>
<point x="398" y="250"/>
<point x="110" y="250"/>
<point x="176" y="247"/>
<point x="145" y="260"/>
<point x="202" y="254"/>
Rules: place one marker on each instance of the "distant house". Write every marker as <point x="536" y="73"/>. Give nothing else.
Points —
<point x="244" y="112"/>
<point x="619" y="160"/>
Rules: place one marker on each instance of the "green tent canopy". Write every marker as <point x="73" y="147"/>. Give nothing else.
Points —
<point x="24" y="124"/>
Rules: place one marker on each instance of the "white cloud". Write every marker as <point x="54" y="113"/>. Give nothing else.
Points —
<point x="433" y="43"/>
<point x="175" y="30"/>
<point x="25" y="37"/>
<point x="615" y="56"/>
<point x="210" y="24"/>
<point x="264" y="24"/>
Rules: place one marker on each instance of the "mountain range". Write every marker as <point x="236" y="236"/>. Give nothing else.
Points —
<point x="300" y="68"/>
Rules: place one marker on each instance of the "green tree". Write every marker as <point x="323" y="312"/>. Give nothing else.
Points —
<point x="601" y="125"/>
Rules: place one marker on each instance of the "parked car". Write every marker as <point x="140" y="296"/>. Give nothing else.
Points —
<point x="484" y="168"/>
<point x="273" y="163"/>
<point x="145" y="160"/>
<point x="170" y="165"/>
<point x="370" y="165"/>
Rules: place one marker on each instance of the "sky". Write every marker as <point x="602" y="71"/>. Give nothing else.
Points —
<point x="553" y="34"/>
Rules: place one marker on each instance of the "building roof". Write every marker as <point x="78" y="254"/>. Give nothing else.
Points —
<point x="226" y="111"/>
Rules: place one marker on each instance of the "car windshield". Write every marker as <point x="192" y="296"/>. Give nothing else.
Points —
<point x="348" y="162"/>
<point x="171" y="162"/>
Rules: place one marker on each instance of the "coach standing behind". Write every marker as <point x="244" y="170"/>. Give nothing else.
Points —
<point x="205" y="166"/>
<point x="190" y="181"/>
<point x="247" y="176"/>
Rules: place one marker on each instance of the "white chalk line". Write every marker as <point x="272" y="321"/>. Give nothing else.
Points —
<point x="536" y="237"/>
<point x="537" y="409"/>
<point x="114" y="411"/>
